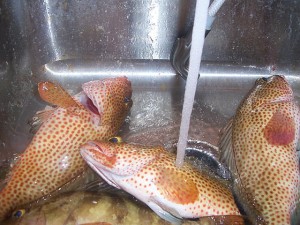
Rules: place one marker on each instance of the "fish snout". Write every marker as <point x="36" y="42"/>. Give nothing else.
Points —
<point x="98" y="155"/>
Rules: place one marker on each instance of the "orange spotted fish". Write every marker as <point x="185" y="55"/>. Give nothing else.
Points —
<point x="149" y="173"/>
<point x="52" y="159"/>
<point x="259" y="146"/>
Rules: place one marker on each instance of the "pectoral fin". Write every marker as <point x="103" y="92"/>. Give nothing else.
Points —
<point x="56" y="95"/>
<point x="280" y="130"/>
<point x="167" y="182"/>
<point x="164" y="214"/>
<point x="53" y="94"/>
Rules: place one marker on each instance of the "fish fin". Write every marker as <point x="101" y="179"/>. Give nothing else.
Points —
<point x="4" y="170"/>
<point x="224" y="220"/>
<point x="8" y="168"/>
<point x="39" y="118"/>
<point x="249" y="205"/>
<point x="225" y="147"/>
<point x="56" y="95"/>
<point x="168" y="187"/>
<point x="164" y="214"/>
<point x="280" y="129"/>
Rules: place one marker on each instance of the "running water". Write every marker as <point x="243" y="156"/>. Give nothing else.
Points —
<point x="191" y="83"/>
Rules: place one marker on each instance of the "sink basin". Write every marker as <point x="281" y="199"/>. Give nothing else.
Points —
<point x="71" y="42"/>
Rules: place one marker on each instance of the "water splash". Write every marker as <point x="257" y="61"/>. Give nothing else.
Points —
<point x="191" y="83"/>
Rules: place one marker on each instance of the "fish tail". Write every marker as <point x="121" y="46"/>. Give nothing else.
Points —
<point x="224" y="220"/>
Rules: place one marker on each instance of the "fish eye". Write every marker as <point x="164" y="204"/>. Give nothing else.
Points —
<point x="18" y="213"/>
<point x="127" y="99"/>
<point x="116" y="140"/>
<point x="264" y="79"/>
<point x="128" y="102"/>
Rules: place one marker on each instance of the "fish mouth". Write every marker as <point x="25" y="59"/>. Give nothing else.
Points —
<point x="87" y="152"/>
<point x="93" y="148"/>
<point x="89" y="104"/>
<point x="94" y="164"/>
<point x="91" y="144"/>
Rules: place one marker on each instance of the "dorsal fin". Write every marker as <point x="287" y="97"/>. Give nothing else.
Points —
<point x="244" y="196"/>
<point x="226" y="150"/>
<point x="8" y="168"/>
<point x="56" y="95"/>
<point x="39" y="118"/>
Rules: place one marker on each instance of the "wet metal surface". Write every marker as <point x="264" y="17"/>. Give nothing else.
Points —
<point x="71" y="42"/>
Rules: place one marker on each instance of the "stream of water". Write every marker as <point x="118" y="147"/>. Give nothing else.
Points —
<point x="191" y="83"/>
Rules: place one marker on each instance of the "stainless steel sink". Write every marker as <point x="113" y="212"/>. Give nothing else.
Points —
<point x="71" y="42"/>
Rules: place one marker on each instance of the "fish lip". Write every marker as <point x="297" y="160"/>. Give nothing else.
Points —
<point x="94" y="145"/>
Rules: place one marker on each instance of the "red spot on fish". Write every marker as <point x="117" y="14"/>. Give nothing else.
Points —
<point x="167" y="184"/>
<point x="280" y="130"/>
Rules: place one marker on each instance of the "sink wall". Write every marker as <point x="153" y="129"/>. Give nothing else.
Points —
<point x="71" y="42"/>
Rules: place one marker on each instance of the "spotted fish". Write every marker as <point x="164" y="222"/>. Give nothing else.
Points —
<point x="149" y="173"/>
<point x="259" y="146"/>
<point x="52" y="159"/>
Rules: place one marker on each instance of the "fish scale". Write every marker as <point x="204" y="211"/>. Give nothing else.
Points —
<point x="52" y="159"/>
<point x="149" y="173"/>
<point x="265" y="131"/>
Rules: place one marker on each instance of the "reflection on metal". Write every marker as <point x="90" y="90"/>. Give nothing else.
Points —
<point x="154" y="18"/>
<point x="88" y="68"/>
<point x="51" y="29"/>
<point x="181" y="54"/>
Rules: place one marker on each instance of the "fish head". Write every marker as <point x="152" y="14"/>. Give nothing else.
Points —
<point x="113" y="161"/>
<point x="270" y="90"/>
<point x="109" y="98"/>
